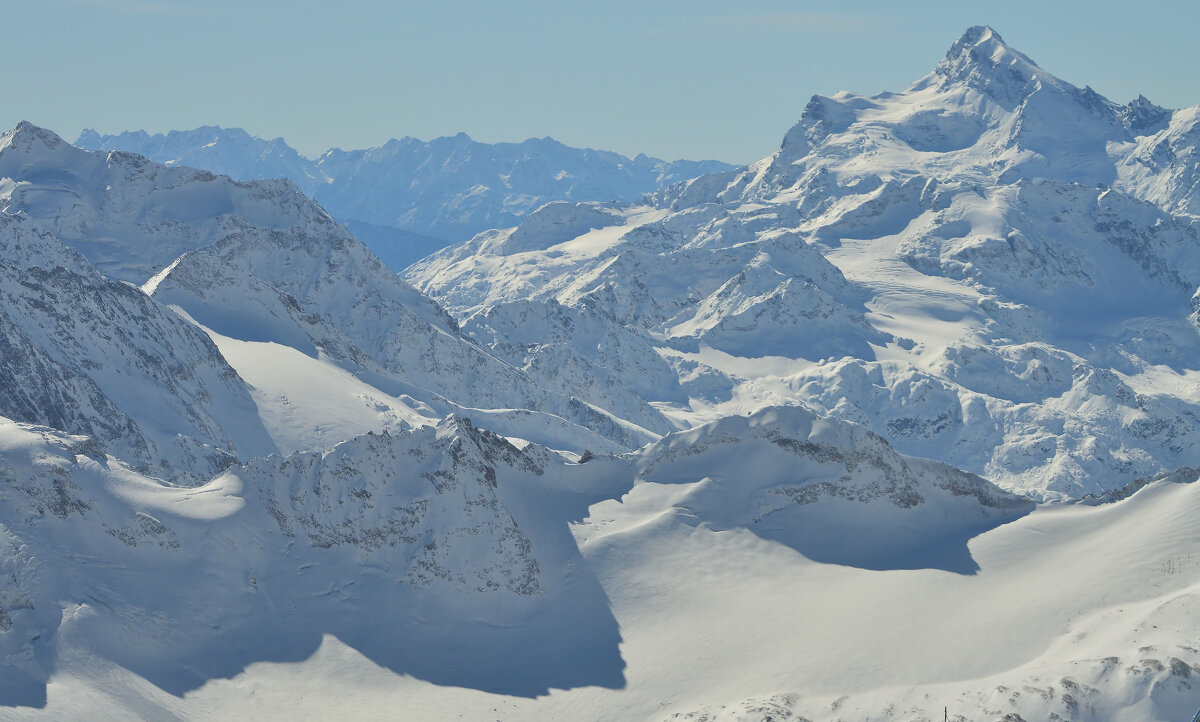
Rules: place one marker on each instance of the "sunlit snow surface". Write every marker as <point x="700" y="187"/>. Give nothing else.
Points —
<point x="707" y="456"/>
<point x="972" y="268"/>
<point x="1084" y="611"/>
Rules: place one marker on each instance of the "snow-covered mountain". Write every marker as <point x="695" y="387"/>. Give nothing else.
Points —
<point x="900" y="422"/>
<point x="408" y="197"/>
<point x="128" y="216"/>
<point x="259" y="262"/>
<point x="969" y="267"/>
<point x="421" y="548"/>
<point x="97" y="357"/>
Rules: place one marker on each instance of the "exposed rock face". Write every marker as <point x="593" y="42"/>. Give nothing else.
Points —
<point x="450" y="525"/>
<point x="428" y="499"/>
<point x="97" y="357"/>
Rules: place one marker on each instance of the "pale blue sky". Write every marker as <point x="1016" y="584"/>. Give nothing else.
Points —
<point x="671" y="78"/>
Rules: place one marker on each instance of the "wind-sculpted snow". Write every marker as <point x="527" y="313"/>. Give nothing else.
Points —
<point x="692" y="570"/>
<point x="98" y="357"/>
<point x="420" y="549"/>
<point x="444" y="190"/>
<point x="974" y="268"/>
<point x="831" y="490"/>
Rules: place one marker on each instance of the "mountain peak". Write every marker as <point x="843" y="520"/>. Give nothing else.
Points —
<point x="1143" y="117"/>
<point x="981" y="59"/>
<point x="974" y="37"/>
<point x="26" y="135"/>
<point x="88" y="139"/>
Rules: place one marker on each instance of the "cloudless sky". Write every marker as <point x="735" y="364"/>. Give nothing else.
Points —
<point x="718" y="79"/>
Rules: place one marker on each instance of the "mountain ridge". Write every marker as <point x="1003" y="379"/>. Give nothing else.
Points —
<point x="259" y="263"/>
<point x="989" y="210"/>
<point x="447" y="188"/>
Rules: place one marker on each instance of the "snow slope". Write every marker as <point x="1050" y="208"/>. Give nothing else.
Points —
<point x="1078" y="610"/>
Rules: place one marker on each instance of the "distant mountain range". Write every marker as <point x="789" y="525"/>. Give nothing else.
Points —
<point x="408" y="197"/>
